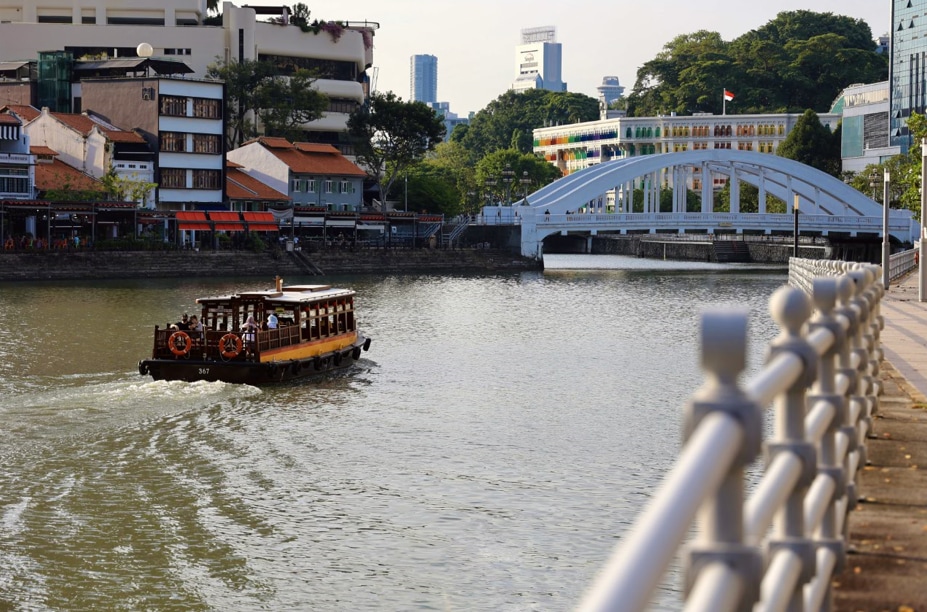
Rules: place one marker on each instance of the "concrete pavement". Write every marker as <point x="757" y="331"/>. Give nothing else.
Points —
<point x="887" y="561"/>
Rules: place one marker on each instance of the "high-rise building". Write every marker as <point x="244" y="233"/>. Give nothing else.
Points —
<point x="907" y="68"/>
<point x="538" y="60"/>
<point x="423" y="81"/>
<point x="609" y="91"/>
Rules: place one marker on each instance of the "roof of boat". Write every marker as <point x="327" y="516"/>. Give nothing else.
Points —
<point x="290" y="294"/>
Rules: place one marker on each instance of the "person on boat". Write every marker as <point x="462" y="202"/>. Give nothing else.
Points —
<point x="248" y="328"/>
<point x="196" y="328"/>
<point x="271" y="321"/>
<point x="183" y="324"/>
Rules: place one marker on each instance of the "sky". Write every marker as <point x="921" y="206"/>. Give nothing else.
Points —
<point x="475" y="41"/>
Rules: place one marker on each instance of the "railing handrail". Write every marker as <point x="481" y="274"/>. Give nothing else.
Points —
<point x="821" y="378"/>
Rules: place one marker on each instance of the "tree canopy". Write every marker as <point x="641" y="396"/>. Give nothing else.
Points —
<point x="799" y="60"/>
<point x="256" y="89"/>
<point x="510" y="120"/>
<point x="391" y="135"/>
<point x="812" y="144"/>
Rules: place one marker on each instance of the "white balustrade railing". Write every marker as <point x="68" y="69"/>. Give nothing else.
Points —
<point x="779" y="548"/>
<point x="901" y="263"/>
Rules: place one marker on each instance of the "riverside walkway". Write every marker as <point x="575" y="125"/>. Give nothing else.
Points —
<point x="886" y="566"/>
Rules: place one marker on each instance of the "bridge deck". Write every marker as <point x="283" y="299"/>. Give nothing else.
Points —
<point x="887" y="567"/>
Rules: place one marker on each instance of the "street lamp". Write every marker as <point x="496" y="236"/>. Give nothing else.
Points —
<point x="490" y="187"/>
<point x="886" y="245"/>
<point x="873" y="182"/>
<point x="471" y="198"/>
<point x="508" y="175"/>
<point x="525" y="181"/>
<point x="795" y="229"/>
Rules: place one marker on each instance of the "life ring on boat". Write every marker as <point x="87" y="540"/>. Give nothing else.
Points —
<point x="356" y="353"/>
<point x="179" y="343"/>
<point x="230" y="346"/>
<point x="367" y="344"/>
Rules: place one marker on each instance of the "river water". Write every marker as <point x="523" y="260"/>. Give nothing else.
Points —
<point x="487" y="453"/>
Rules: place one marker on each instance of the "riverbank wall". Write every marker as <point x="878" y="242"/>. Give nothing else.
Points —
<point x="91" y="265"/>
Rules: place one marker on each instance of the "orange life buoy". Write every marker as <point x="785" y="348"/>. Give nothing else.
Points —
<point x="230" y="346"/>
<point x="179" y="343"/>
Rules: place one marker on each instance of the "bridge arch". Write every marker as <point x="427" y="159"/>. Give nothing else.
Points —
<point x="826" y="203"/>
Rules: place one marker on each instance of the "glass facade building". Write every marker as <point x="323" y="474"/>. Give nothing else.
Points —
<point x="908" y="67"/>
<point x="424" y="78"/>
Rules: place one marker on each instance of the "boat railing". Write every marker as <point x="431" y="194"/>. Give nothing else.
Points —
<point x="208" y="346"/>
<point x="780" y="547"/>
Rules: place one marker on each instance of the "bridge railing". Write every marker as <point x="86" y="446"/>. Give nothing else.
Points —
<point x="901" y="263"/>
<point x="779" y="548"/>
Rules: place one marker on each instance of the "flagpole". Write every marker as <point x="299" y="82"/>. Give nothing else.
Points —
<point x="723" y="103"/>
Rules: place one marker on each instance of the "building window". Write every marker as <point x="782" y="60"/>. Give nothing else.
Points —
<point x="174" y="142"/>
<point x="206" y="179"/>
<point x="329" y="186"/>
<point x="206" y="143"/>
<point x="346" y="187"/>
<point x="173" y="178"/>
<point x="310" y="185"/>
<point x="296" y="185"/>
<point x="174" y="106"/>
<point x="206" y="108"/>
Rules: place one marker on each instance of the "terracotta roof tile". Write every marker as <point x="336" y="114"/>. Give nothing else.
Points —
<point x="57" y="174"/>
<point x="84" y="123"/>
<point x="242" y="186"/>
<point x="26" y="112"/>
<point x="8" y="119"/>
<point x="42" y="150"/>
<point x="311" y="158"/>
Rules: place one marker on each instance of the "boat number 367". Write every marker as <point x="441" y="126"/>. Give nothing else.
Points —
<point x="203" y="371"/>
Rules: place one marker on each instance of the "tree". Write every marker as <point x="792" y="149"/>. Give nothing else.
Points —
<point x="431" y="188"/>
<point x="510" y="119"/>
<point x="810" y="143"/>
<point x="535" y="170"/>
<point x="243" y="82"/>
<point x="391" y="135"/>
<point x="286" y="103"/>
<point x="798" y="60"/>
<point x="123" y="188"/>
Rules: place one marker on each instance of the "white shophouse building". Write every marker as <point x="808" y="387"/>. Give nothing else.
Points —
<point x="175" y="29"/>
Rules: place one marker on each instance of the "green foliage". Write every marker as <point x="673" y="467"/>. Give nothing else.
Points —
<point x="432" y="189"/>
<point x="510" y="119"/>
<point x="286" y="103"/>
<point x="810" y="143"/>
<point x="391" y="135"/>
<point x="256" y="89"/>
<point x="527" y="166"/>
<point x="799" y="60"/>
<point x="126" y="189"/>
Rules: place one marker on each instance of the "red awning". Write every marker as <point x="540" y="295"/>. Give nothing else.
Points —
<point x="230" y="227"/>
<point x="260" y="217"/>
<point x="194" y="226"/>
<point x="261" y="221"/>
<point x="191" y="215"/>
<point x="218" y="215"/>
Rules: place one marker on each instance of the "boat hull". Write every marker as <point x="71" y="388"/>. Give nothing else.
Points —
<point x="253" y="373"/>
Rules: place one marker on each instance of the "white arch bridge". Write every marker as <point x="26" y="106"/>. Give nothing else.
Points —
<point x="576" y="204"/>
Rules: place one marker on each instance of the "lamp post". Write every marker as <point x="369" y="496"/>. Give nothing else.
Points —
<point x="886" y="245"/>
<point x="795" y="228"/>
<point x="508" y="175"/>
<point x="525" y="181"/>
<point x="490" y="187"/>
<point x="921" y="251"/>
